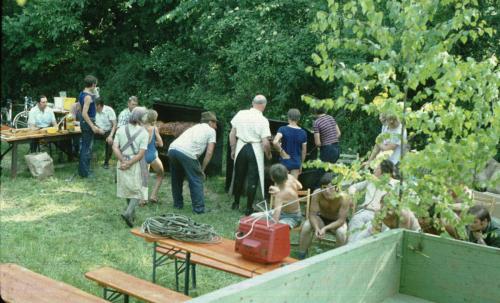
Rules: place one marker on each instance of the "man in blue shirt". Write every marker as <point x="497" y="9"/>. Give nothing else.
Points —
<point x="87" y="124"/>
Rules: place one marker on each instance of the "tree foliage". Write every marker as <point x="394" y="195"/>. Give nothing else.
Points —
<point x="215" y="54"/>
<point x="412" y="66"/>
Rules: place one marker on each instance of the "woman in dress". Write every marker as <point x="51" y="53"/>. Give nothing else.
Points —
<point x="129" y="147"/>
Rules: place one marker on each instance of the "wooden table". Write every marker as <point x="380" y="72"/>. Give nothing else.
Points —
<point x="222" y="252"/>
<point x="14" y="141"/>
<point x="20" y="285"/>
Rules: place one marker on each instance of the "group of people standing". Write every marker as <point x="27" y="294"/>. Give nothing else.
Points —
<point x="134" y="138"/>
<point x="250" y="144"/>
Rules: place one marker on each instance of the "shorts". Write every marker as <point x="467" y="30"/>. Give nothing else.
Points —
<point x="325" y="220"/>
<point x="291" y="219"/>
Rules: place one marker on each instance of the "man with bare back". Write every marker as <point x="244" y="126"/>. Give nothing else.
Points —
<point x="328" y="213"/>
<point x="286" y="208"/>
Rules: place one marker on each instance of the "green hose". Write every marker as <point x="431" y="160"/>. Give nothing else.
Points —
<point x="182" y="228"/>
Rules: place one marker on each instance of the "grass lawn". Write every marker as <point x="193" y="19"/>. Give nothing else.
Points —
<point x="63" y="228"/>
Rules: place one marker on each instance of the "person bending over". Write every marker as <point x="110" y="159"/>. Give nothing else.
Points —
<point x="328" y="213"/>
<point x="184" y="153"/>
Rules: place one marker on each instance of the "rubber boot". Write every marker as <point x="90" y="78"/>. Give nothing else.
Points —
<point x="129" y="213"/>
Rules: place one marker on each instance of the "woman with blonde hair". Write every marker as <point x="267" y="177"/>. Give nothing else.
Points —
<point x="151" y="155"/>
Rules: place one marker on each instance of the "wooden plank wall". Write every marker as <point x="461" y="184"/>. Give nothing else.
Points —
<point x="444" y="270"/>
<point x="363" y="272"/>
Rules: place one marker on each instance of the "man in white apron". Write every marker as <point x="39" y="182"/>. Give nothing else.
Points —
<point x="249" y="140"/>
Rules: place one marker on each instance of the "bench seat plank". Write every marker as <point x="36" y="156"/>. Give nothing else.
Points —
<point x="134" y="287"/>
<point x="20" y="285"/>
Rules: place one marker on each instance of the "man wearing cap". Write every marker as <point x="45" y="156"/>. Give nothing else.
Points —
<point x="183" y="154"/>
<point x="249" y="140"/>
<point x="124" y="115"/>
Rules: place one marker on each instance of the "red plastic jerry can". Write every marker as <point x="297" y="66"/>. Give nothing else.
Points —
<point x="268" y="242"/>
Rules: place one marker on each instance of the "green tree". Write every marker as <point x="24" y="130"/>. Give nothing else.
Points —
<point x="408" y="64"/>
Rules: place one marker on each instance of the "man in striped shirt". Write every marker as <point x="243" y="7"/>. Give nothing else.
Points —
<point x="326" y="136"/>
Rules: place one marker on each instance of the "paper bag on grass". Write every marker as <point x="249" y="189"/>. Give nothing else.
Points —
<point x="40" y="165"/>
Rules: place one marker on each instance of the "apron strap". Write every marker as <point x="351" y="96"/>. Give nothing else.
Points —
<point x="142" y="162"/>
<point x="130" y="140"/>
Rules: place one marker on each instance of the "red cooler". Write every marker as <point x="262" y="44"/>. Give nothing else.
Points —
<point x="265" y="244"/>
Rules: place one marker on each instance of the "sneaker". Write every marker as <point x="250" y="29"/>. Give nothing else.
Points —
<point x="203" y="212"/>
<point x="106" y="166"/>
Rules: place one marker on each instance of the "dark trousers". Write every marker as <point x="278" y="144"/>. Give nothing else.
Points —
<point x="75" y="143"/>
<point x="182" y="166"/>
<point x="85" y="149"/>
<point x="329" y="153"/>
<point x="107" y="147"/>
<point x="246" y="167"/>
<point x="34" y="146"/>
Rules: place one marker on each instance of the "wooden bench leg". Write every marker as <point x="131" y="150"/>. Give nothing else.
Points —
<point x="181" y="267"/>
<point x="13" y="165"/>
<point x="113" y="295"/>
<point x="176" y="264"/>
<point x="187" y="264"/>
<point x="193" y="274"/>
<point x="159" y="260"/>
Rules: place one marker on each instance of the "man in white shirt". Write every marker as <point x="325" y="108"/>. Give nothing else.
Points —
<point x="183" y="154"/>
<point x="124" y="116"/>
<point x="249" y="140"/>
<point x="40" y="116"/>
<point x="372" y="203"/>
<point x="105" y="119"/>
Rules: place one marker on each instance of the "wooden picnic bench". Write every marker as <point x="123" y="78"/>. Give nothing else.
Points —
<point x="20" y="285"/>
<point x="116" y="284"/>
<point x="220" y="256"/>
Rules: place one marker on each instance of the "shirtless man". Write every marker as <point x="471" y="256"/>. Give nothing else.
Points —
<point x="284" y="191"/>
<point x="328" y="212"/>
<point x="288" y="186"/>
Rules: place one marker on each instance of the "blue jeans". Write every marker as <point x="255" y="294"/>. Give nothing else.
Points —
<point x="182" y="166"/>
<point x="85" y="149"/>
<point x="329" y="153"/>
